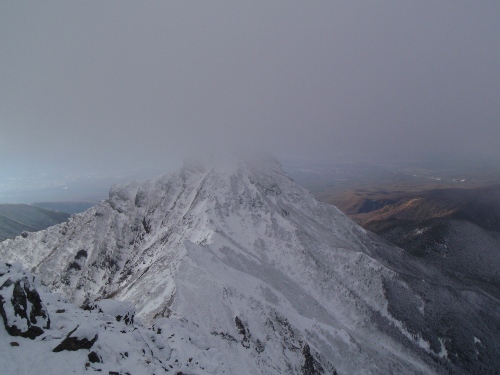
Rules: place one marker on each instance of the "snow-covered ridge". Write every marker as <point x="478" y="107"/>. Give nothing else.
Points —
<point x="142" y="224"/>
<point x="248" y="263"/>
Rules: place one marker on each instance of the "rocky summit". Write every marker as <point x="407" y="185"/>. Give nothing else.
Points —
<point x="233" y="268"/>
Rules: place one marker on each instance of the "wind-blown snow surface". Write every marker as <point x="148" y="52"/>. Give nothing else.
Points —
<point x="119" y="348"/>
<point x="247" y="270"/>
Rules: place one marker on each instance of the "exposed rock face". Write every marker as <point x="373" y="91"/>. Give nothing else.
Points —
<point x="21" y="307"/>
<point x="94" y="357"/>
<point x="311" y="366"/>
<point x="245" y="341"/>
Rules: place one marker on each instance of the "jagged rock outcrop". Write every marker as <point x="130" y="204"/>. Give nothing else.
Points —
<point x="21" y="307"/>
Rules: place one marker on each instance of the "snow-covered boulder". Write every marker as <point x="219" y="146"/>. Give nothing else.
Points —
<point x="21" y="307"/>
<point x="121" y="310"/>
<point x="82" y="337"/>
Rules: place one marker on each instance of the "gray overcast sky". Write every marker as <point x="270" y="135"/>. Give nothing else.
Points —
<point x="93" y="83"/>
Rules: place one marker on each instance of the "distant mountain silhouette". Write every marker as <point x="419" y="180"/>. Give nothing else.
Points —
<point x="18" y="218"/>
<point x="71" y="207"/>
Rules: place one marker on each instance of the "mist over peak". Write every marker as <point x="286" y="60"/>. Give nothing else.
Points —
<point x="105" y="86"/>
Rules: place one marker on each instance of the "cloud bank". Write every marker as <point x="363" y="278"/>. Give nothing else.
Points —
<point x="104" y="84"/>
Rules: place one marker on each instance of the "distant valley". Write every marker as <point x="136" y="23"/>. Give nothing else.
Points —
<point x="449" y="218"/>
<point x="18" y="218"/>
<point x="457" y="230"/>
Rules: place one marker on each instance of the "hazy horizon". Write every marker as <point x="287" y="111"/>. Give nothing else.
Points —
<point x="110" y="85"/>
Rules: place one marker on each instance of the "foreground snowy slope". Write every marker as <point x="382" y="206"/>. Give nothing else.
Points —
<point x="115" y="346"/>
<point x="252" y="272"/>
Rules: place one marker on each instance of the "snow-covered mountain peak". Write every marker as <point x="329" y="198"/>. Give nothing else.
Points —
<point x="245" y="261"/>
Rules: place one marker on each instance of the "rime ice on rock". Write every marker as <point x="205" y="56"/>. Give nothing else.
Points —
<point x="21" y="308"/>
